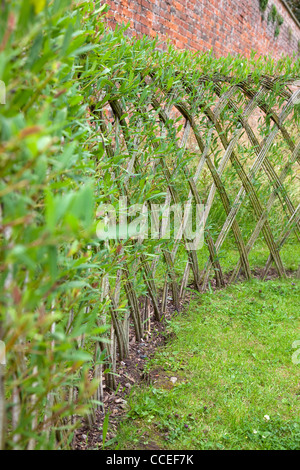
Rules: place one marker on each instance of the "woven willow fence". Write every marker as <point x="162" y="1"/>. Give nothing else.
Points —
<point x="229" y="146"/>
<point x="96" y="125"/>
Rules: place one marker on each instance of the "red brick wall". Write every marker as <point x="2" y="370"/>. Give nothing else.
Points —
<point x="227" y="26"/>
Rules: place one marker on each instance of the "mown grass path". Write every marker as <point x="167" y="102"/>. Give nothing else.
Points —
<point x="234" y="356"/>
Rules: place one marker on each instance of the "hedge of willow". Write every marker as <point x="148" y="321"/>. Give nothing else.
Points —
<point x="92" y="120"/>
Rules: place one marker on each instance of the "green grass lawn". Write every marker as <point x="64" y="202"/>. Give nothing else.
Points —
<point x="238" y="380"/>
